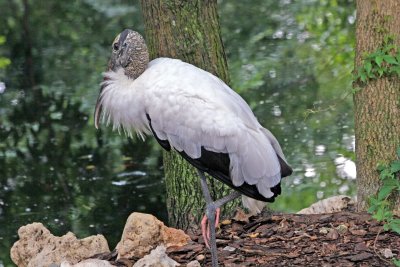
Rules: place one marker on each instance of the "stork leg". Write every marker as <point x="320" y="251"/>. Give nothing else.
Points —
<point x="211" y="212"/>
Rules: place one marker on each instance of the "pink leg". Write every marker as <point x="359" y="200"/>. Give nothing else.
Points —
<point x="205" y="228"/>
<point x="204" y="232"/>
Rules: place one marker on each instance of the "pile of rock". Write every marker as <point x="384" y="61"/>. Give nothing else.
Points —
<point x="144" y="237"/>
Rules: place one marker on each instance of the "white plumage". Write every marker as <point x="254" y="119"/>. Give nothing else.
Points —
<point x="198" y="115"/>
<point x="192" y="108"/>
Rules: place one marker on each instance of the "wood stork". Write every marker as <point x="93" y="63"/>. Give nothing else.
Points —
<point x="195" y="113"/>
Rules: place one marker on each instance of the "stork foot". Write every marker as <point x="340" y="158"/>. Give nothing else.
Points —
<point x="205" y="226"/>
<point x="211" y="219"/>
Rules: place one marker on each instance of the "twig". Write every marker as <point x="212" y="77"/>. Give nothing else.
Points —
<point x="376" y="252"/>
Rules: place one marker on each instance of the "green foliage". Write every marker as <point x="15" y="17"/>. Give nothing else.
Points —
<point x="380" y="207"/>
<point x="384" y="61"/>
<point x="4" y="62"/>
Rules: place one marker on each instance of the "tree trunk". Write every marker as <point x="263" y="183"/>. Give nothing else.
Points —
<point x="377" y="106"/>
<point x="188" y="30"/>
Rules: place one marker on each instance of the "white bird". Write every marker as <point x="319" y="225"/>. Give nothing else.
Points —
<point x="195" y="113"/>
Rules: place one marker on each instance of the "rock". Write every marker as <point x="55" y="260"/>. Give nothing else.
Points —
<point x="88" y="263"/>
<point x="38" y="247"/>
<point x="193" y="264"/>
<point x="342" y="229"/>
<point x="328" y="205"/>
<point x="200" y="257"/>
<point x="387" y="253"/>
<point x="229" y="248"/>
<point x="156" y="258"/>
<point x="144" y="232"/>
<point x="323" y="230"/>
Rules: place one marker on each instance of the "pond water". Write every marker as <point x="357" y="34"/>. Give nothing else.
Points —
<point x="55" y="168"/>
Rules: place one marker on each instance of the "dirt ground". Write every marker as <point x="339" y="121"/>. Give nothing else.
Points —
<point x="339" y="239"/>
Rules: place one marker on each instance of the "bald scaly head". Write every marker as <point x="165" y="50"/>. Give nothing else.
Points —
<point x="129" y="51"/>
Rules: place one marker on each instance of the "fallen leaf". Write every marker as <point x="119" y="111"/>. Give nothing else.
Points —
<point x="241" y="216"/>
<point x="358" y="232"/>
<point x="333" y="234"/>
<point x="254" y="235"/>
<point x="360" y="257"/>
<point x="226" y="222"/>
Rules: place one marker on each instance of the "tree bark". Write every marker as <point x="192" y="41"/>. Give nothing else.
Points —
<point x="188" y="30"/>
<point x="377" y="106"/>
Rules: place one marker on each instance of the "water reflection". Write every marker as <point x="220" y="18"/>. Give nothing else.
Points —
<point x="2" y="87"/>
<point x="345" y="168"/>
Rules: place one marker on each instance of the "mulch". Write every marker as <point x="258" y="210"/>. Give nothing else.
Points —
<point x="338" y="239"/>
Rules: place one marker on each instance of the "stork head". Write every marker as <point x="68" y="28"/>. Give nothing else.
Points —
<point x="129" y="51"/>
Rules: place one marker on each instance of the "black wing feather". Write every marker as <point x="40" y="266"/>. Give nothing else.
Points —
<point x="217" y="165"/>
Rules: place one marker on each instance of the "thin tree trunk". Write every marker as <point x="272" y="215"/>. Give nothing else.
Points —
<point x="29" y="80"/>
<point x="188" y="30"/>
<point x="377" y="106"/>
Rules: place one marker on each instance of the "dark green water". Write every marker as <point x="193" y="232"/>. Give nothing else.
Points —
<point x="291" y="61"/>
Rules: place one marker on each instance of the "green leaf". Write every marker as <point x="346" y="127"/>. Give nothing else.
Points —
<point x="390" y="59"/>
<point x="395" y="166"/>
<point x="386" y="227"/>
<point x="363" y="77"/>
<point x="398" y="55"/>
<point x="390" y="182"/>
<point x="372" y="208"/>
<point x="396" y="262"/>
<point x="379" y="60"/>
<point x="398" y="152"/>
<point x="394" y="226"/>
<point x="368" y="67"/>
<point x="381" y="167"/>
<point x="374" y="204"/>
<point x="396" y="70"/>
<point x="380" y="71"/>
<point x="379" y="215"/>
<point x="373" y="55"/>
<point x="385" y="175"/>
<point x="385" y="191"/>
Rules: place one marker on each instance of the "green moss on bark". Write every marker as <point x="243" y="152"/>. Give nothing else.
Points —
<point x="377" y="114"/>
<point x="188" y="30"/>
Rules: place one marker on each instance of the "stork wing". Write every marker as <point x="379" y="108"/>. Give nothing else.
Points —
<point x="192" y="109"/>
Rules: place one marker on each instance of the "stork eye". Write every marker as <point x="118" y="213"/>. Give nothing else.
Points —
<point x="116" y="46"/>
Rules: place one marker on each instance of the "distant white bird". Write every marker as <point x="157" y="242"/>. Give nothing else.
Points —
<point x="198" y="115"/>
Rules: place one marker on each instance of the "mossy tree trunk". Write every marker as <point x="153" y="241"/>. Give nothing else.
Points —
<point x="188" y="30"/>
<point x="377" y="104"/>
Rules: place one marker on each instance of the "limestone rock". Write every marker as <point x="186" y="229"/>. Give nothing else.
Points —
<point x="328" y="205"/>
<point x="156" y="258"/>
<point x="193" y="264"/>
<point x="144" y="232"/>
<point x="88" y="263"/>
<point x="38" y="247"/>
